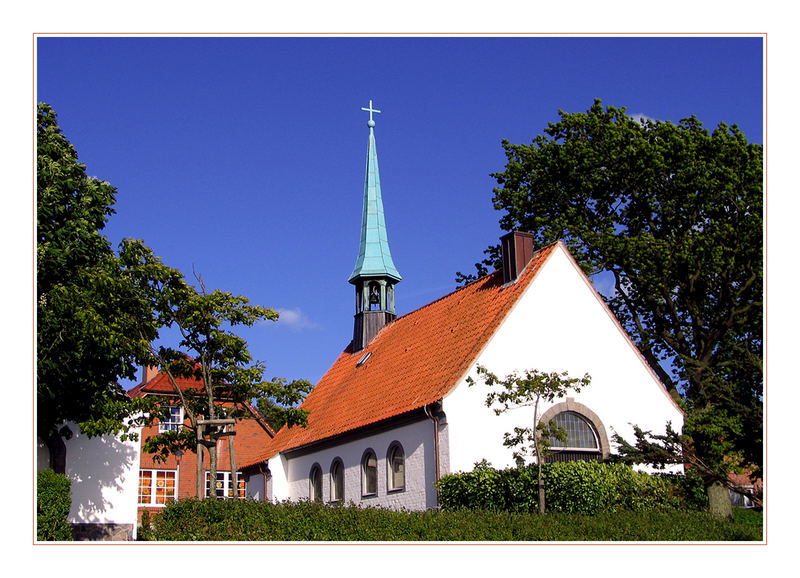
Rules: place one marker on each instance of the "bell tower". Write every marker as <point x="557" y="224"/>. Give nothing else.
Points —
<point x="374" y="275"/>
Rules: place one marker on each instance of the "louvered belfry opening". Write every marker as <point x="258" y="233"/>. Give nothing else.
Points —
<point x="518" y="250"/>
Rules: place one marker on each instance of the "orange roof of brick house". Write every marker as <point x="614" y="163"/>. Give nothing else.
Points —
<point x="414" y="361"/>
<point x="250" y="431"/>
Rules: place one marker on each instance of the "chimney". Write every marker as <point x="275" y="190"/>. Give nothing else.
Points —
<point x="149" y="372"/>
<point x="517" y="253"/>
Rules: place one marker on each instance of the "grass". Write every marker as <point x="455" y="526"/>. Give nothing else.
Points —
<point x="190" y="520"/>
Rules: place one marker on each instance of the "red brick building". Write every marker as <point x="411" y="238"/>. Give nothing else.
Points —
<point x="174" y="478"/>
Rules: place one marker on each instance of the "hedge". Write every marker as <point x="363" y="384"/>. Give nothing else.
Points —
<point x="247" y="520"/>
<point x="571" y="487"/>
<point x="52" y="506"/>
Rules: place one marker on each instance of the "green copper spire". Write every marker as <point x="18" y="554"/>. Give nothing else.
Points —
<point x="374" y="257"/>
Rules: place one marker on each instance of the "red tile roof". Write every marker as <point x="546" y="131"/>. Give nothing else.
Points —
<point x="252" y="432"/>
<point x="414" y="361"/>
<point x="161" y="385"/>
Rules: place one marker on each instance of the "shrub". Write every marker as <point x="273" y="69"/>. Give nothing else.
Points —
<point x="52" y="506"/>
<point x="571" y="487"/>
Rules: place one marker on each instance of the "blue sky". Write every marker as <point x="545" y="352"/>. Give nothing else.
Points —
<point x="242" y="158"/>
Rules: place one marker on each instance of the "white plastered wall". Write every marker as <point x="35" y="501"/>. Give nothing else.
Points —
<point x="419" y="493"/>
<point x="558" y="324"/>
<point x="104" y="472"/>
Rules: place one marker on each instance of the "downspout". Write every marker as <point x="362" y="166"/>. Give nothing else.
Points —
<point x="435" y="421"/>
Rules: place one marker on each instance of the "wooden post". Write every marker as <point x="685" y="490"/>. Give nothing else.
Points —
<point x="234" y="477"/>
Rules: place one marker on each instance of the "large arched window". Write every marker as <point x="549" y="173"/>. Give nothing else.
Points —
<point x="580" y="433"/>
<point x="396" y="464"/>
<point x="586" y="435"/>
<point x="337" y="481"/>
<point x="369" y="474"/>
<point x="315" y="484"/>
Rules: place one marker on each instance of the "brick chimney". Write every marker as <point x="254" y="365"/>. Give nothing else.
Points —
<point x="517" y="253"/>
<point x="149" y="372"/>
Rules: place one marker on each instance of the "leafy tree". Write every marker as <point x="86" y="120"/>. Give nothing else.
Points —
<point x="218" y="360"/>
<point x="92" y="323"/>
<point x="529" y="390"/>
<point x="673" y="215"/>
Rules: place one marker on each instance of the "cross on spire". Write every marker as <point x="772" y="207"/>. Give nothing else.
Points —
<point x="370" y="110"/>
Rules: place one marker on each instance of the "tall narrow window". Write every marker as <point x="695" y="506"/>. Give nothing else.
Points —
<point x="315" y="484"/>
<point x="396" y="462"/>
<point x="337" y="481"/>
<point x="369" y="474"/>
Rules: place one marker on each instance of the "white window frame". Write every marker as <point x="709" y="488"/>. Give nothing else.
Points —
<point x="226" y="485"/>
<point x="315" y="484"/>
<point x="153" y="487"/>
<point x="337" y="494"/>
<point x="367" y="454"/>
<point x="175" y="421"/>
<point x="395" y="447"/>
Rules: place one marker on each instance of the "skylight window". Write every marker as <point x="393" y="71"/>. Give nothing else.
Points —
<point x="363" y="359"/>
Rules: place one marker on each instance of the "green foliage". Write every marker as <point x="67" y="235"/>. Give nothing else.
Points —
<point x="52" y="506"/>
<point x="673" y="214"/>
<point x="212" y="354"/>
<point x="584" y="487"/>
<point x="145" y="531"/>
<point x="245" y="520"/>
<point x="93" y="323"/>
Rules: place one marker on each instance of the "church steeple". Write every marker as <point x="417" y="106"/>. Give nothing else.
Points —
<point x="374" y="275"/>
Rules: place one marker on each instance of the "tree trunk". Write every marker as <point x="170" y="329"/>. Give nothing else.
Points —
<point x="212" y="471"/>
<point x="58" y="453"/>
<point x="541" y="487"/>
<point x="200" y="484"/>
<point x="541" y="493"/>
<point x="719" y="501"/>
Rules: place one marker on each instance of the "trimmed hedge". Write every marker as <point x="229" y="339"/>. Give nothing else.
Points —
<point x="571" y="487"/>
<point x="246" y="520"/>
<point x="52" y="506"/>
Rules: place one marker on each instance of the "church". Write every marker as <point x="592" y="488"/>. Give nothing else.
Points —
<point x="396" y="412"/>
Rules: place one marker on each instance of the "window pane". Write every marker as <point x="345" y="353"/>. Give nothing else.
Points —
<point x="220" y="485"/>
<point x="370" y="484"/>
<point x="316" y="484"/>
<point x="145" y="483"/>
<point x="165" y="486"/>
<point x="173" y="422"/>
<point x="337" y="482"/>
<point x="579" y="433"/>
<point x="397" y="477"/>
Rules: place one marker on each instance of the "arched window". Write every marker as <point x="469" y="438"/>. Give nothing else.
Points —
<point x="396" y="464"/>
<point x="315" y="484"/>
<point x="580" y="433"/>
<point x="337" y="481"/>
<point x="369" y="474"/>
<point x="581" y="443"/>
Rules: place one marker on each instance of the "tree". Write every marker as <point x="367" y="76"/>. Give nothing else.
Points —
<point x="218" y="360"/>
<point x="92" y="323"/>
<point x="529" y="390"/>
<point x="673" y="216"/>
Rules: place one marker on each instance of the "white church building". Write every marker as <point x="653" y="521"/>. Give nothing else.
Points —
<point x="395" y="411"/>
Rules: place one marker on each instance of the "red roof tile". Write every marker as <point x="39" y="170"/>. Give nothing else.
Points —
<point x="414" y="361"/>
